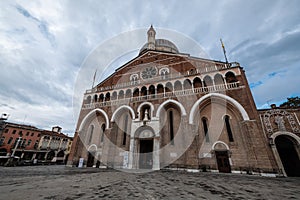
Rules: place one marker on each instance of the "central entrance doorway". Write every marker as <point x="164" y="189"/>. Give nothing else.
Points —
<point x="223" y="161"/>
<point x="90" y="160"/>
<point x="288" y="155"/>
<point x="145" y="156"/>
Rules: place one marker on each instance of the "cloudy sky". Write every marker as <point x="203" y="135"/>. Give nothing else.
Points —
<point x="44" y="43"/>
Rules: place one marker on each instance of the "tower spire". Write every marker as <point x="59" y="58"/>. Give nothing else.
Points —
<point x="151" y="38"/>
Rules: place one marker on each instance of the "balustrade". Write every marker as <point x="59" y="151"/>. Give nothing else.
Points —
<point x="213" y="88"/>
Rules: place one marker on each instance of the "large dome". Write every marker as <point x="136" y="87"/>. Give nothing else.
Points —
<point x="162" y="45"/>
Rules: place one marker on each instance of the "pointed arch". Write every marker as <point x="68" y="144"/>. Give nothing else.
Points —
<point x="227" y="98"/>
<point x="182" y="109"/>
<point x="120" y="108"/>
<point x="90" y="114"/>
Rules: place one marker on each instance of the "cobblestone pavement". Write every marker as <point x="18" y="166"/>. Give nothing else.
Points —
<point x="60" y="182"/>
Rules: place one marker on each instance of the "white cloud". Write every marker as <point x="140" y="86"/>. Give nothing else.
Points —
<point x="43" y="43"/>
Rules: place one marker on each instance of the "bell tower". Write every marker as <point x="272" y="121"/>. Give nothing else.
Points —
<point x="151" y="38"/>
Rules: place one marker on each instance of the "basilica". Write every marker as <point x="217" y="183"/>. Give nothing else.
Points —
<point x="168" y="110"/>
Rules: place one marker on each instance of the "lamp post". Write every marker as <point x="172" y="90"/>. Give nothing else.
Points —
<point x="3" y="118"/>
<point x="17" y="144"/>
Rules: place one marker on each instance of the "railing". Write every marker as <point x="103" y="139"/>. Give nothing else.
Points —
<point x="197" y="71"/>
<point x="214" y="88"/>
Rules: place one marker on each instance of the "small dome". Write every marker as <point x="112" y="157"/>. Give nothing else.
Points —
<point x="162" y="45"/>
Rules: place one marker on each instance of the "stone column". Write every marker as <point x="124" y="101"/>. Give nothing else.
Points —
<point x="155" y="155"/>
<point x="131" y="151"/>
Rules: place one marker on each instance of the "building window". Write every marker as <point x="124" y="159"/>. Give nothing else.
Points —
<point x="29" y="142"/>
<point x="6" y="131"/>
<point x="20" y="133"/>
<point x="2" y="140"/>
<point x="27" y="133"/>
<point x="171" y="127"/>
<point x="32" y="134"/>
<point x="125" y="130"/>
<point x="164" y="73"/>
<point x="14" y="132"/>
<point x="205" y="129"/>
<point x="23" y="143"/>
<point x="134" y="79"/>
<point x="10" y="140"/>
<point x="103" y="129"/>
<point x="228" y="128"/>
<point x="91" y="134"/>
<point x="36" y="144"/>
<point x="39" y="135"/>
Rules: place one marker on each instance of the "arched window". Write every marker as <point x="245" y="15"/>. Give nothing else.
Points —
<point x="169" y="87"/>
<point x="205" y="129"/>
<point x="107" y="97"/>
<point x="207" y="81"/>
<point x="134" y="79"/>
<point x="95" y="98"/>
<point x="164" y="73"/>
<point x="171" y="126"/>
<point x="230" y="77"/>
<point x="125" y="130"/>
<point x="88" y="99"/>
<point x="187" y="84"/>
<point x="177" y="86"/>
<point x="91" y="134"/>
<point x="103" y="129"/>
<point x="228" y="128"/>
<point x="121" y="94"/>
<point x="197" y="82"/>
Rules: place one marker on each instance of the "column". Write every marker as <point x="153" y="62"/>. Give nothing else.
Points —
<point x="226" y="87"/>
<point x="131" y="150"/>
<point x="155" y="155"/>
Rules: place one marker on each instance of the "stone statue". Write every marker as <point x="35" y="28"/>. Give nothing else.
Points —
<point x="280" y="123"/>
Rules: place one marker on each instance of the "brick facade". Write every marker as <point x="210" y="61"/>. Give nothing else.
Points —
<point x="167" y="109"/>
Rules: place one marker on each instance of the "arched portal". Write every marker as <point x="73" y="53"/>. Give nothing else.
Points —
<point x="91" y="155"/>
<point x="145" y="146"/>
<point x="288" y="151"/>
<point x="221" y="151"/>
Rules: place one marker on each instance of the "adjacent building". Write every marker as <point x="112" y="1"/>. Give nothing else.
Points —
<point x="167" y="109"/>
<point x="30" y="143"/>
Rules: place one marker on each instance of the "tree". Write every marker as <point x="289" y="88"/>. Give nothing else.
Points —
<point x="292" y="102"/>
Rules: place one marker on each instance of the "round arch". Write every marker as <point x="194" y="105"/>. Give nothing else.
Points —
<point x="273" y="136"/>
<point x="141" y="129"/>
<point x="92" y="148"/>
<point x="90" y="114"/>
<point x="231" y="100"/>
<point x="219" y="142"/>
<point x="182" y="109"/>
<point x="120" y="108"/>
<point x="146" y="103"/>
<point x="284" y="163"/>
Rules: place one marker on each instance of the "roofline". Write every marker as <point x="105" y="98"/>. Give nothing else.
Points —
<point x="155" y="51"/>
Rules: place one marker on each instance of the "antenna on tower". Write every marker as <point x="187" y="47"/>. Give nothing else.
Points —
<point x="224" y="51"/>
<point x="94" y="78"/>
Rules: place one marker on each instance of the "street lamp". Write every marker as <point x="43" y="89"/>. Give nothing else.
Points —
<point x="3" y="118"/>
<point x="18" y="142"/>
